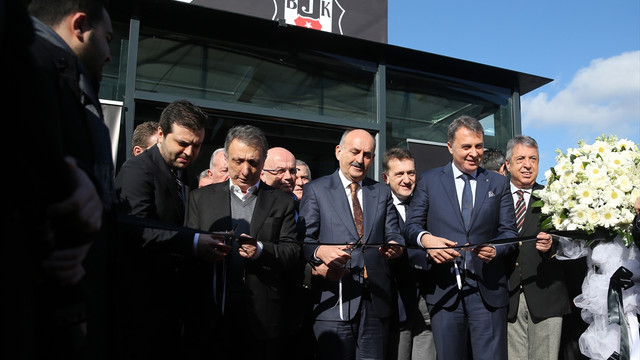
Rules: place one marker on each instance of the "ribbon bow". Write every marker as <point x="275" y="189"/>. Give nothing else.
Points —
<point x="620" y="280"/>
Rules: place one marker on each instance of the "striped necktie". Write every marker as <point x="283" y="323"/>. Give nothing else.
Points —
<point x="179" y="186"/>
<point x="521" y="208"/>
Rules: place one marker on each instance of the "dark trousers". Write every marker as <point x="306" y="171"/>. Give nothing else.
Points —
<point x="469" y="321"/>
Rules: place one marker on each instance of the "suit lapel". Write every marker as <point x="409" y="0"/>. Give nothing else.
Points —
<point x="167" y="179"/>
<point x="369" y="203"/>
<point x="449" y="185"/>
<point x="339" y="199"/>
<point x="264" y="202"/>
<point x="482" y="189"/>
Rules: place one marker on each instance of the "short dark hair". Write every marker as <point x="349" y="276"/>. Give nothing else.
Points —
<point x="182" y="113"/>
<point x="492" y="159"/>
<point x="52" y="12"/>
<point x="394" y="153"/>
<point x="249" y="135"/>
<point x="142" y="133"/>
<point x="469" y="122"/>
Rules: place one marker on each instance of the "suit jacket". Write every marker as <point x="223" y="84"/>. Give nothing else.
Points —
<point x="273" y="224"/>
<point x="156" y="258"/>
<point x="541" y="275"/>
<point x="435" y="208"/>
<point x="406" y="276"/>
<point x="328" y="218"/>
<point x="147" y="189"/>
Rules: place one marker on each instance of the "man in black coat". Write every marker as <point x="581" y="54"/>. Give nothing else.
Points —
<point x="249" y="296"/>
<point x="537" y="290"/>
<point x="158" y="281"/>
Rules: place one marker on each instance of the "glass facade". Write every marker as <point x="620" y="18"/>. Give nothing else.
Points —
<point x="303" y="96"/>
<point x="421" y="105"/>
<point x="305" y="81"/>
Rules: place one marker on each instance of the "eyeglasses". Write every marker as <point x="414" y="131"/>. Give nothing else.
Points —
<point x="281" y="171"/>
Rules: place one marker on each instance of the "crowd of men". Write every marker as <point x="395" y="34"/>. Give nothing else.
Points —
<point x="254" y="259"/>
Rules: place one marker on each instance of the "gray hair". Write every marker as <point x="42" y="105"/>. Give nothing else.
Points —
<point x="249" y="135"/>
<point x="213" y="156"/>
<point x="525" y="140"/>
<point x="302" y="163"/>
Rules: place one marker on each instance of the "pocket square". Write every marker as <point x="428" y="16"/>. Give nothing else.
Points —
<point x="491" y="194"/>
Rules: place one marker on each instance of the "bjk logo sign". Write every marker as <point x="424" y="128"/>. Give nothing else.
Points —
<point x="314" y="14"/>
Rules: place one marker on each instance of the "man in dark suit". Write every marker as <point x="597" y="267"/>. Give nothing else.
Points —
<point x="538" y="294"/>
<point x="250" y="281"/>
<point x="458" y="204"/>
<point x="69" y="51"/>
<point x="411" y="336"/>
<point x="157" y="277"/>
<point x="351" y="229"/>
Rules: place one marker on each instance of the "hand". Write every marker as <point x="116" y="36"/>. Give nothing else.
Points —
<point x="65" y="266"/>
<point x="439" y="255"/>
<point x="544" y="242"/>
<point x="636" y="205"/>
<point x="83" y="209"/>
<point x="485" y="252"/>
<point x="334" y="256"/>
<point x="248" y="246"/>
<point x="391" y="250"/>
<point x="328" y="273"/>
<point x="212" y="247"/>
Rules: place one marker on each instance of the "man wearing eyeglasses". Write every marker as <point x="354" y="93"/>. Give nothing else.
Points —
<point x="280" y="169"/>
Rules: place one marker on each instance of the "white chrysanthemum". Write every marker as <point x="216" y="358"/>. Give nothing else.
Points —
<point x="626" y="217"/>
<point x="635" y="193"/>
<point x="612" y="196"/>
<point x="616" y="162"/>
<point x="600" y="147"/>
<point x="609" y="216"/>
<point x="594" y="170"/>
<point x="599" y="180"/>
<point x="578" y="214"/>
<point x="623" y="183"/>
<point x="584" y="194"/>
<point x="627" y="144"/>
<point x="559" y="223"/>
<point x="548" y="174"/>
<point x="593" y="218"/>
<point x="563" y="167"/>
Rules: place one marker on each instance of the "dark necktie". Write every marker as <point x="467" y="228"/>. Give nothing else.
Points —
<point x="179" y="187"/>
<point x="521" y="208"/>
<point x="358" y="217"/>
<point x="467" y="201"/>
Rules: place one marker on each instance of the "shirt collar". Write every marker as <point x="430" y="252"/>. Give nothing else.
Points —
<point x="235" y="189"/>
<point x="457" y="172"/>
<point x="346" y="182"/>
<point x="515" y="188"/>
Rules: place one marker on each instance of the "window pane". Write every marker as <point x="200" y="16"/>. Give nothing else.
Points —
<point x="421" y="106"/>
<point x="302" y="81"/>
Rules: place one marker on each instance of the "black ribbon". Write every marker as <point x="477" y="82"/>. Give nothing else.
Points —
<point x="620" y="280"/>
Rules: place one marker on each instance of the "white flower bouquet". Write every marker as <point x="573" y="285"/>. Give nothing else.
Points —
<point x="592" y="189"/>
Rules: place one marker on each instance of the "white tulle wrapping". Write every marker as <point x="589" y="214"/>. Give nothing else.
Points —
<point x="601" y="339"/>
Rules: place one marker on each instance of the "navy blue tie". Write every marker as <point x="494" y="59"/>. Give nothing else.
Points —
<point x="467" y="201"/>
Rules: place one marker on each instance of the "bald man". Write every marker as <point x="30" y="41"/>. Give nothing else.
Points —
<point x="280" y="169"/>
